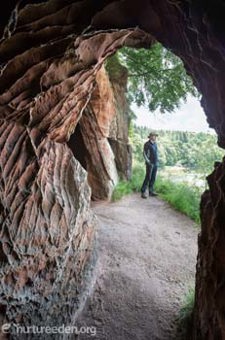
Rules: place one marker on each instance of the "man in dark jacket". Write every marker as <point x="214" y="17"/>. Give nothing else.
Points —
<point x="150" y="154"/>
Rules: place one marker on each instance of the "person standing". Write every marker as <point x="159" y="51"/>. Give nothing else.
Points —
<point x="150" y="154"/>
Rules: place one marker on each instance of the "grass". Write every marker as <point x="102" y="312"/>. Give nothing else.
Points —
<point x="127" y="187"/>
<point x="185" y="318"/>
<point x="182" y="197"/>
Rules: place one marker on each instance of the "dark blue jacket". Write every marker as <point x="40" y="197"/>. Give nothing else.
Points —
<point x="150" y="153"/>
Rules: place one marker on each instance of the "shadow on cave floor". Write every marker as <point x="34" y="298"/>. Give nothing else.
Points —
<point x="146" y="263"/>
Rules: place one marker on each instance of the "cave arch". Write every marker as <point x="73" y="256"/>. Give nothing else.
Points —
<point x="50" y="54"/>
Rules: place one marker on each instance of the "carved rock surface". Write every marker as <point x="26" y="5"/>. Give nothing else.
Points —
<point x="118" y="135"/>
<point x="94" y="127"/>
<point x="46" y="229"/>
<point x="49" y="73"/>
<point x="210" y="289"/>
<point x="50" y="56"/>
<point x="103" y="128"/>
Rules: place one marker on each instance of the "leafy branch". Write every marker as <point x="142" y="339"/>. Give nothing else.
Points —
<point x="156" y="78"/>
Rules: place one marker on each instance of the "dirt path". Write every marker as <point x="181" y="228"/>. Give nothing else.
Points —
<point x="147" y="256"/>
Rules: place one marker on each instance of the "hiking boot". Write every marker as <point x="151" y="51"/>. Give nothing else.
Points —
<point x="143" y="195"/>
<point x="153" y="194"/>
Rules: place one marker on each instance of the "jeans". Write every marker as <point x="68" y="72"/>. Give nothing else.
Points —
<point x="150" y="176"/>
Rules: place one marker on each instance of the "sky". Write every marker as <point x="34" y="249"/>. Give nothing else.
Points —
<point x="189" y="117"/>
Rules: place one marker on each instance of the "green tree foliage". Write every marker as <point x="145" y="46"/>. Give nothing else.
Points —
<point x="157" y="78"/>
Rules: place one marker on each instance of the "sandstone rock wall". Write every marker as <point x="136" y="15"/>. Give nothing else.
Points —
<point x="103" y="129"/>
<point x="49" y="80"/>
<point x="97" y="156"/>
<point x="118" y="135"/>
<point x="210" y="291"/>
<point x="50" y="56"/>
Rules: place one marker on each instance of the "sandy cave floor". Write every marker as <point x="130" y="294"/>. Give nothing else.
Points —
<point x="146" y="263"/>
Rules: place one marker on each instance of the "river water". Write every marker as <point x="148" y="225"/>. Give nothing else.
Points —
<point x="182" y="175"/>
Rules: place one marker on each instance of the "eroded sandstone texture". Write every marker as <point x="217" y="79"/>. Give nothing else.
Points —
<point x="103" y="131"/>
<point x="56" y="102"/>
<point x="51" y="58"/>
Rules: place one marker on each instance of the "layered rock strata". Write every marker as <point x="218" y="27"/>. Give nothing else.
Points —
<point x="50" y="55"/>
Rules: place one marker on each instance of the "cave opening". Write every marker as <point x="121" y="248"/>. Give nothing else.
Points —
<point x="51" y="55"/>
<point x="161" y="84"/>
<point x="108" y="120"/>
<point x="77" y="146"/>
<point x="120" y="116"/>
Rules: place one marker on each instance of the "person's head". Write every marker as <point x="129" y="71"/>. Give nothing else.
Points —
<point x="152" y="136"/>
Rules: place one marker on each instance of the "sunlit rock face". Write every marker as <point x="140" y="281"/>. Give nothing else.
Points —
<point x="118" y="134"/>
<point x="51" y="59"/>
<point x="105" y="152"/>
<point x="95" y="154"/>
